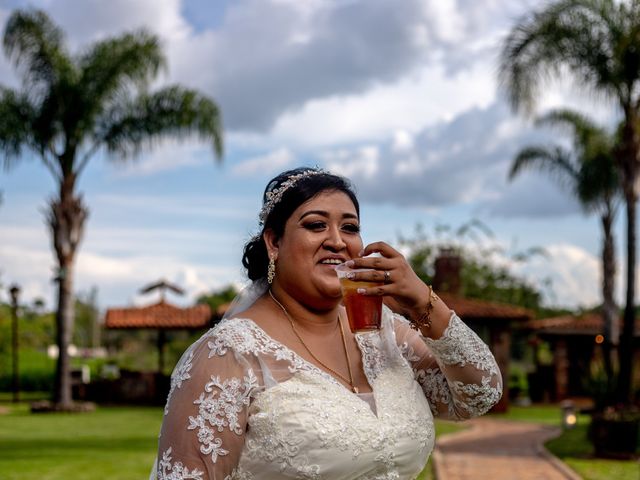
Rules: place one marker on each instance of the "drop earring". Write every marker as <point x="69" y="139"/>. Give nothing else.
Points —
<point x="271" y="270"/>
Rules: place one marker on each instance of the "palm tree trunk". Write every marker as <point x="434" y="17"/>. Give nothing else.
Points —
<point x="626" y="339"/>
<point x="609" y="308"/>
<point x="628" y="164"/>
<point x="64" y="332"/>
<point x="66" y="219"/>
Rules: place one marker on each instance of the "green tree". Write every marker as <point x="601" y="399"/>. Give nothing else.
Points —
<point x="588" y="171"/>
<point x="218" y="298"/>
<point x="86" y="332"/>
<point x="598" y="41"/>
<point x="72" y="106"/>
<point x="485" y="271"/>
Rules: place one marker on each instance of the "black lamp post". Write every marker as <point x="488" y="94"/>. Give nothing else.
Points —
<point x="14" y="291"/>
<point x="569" y="415"/>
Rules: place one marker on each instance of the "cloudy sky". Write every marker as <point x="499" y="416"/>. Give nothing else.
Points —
<point x="401" y="97"/>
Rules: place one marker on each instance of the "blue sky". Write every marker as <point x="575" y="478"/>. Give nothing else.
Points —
<point x="399" y="96"/>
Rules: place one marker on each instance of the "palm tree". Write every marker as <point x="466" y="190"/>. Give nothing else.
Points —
<point x="69" y="108"/>
<point x="598" y="41"/>
<point x="589" y="173"/>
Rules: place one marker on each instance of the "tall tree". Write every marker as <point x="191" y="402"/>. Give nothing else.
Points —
<point x="598" y="41"/>
<point x="485" y="271"/>
<point x="588" y="171"/>
<point x="72" y="106"/>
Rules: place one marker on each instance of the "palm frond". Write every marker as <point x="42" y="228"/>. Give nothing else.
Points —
<point x="111" y="66"/>
<point x="173" y="111"/>
<point x="598" y="181"/>
<point x="36" y="46"/>
<point x="571" y="119"/>
<point x="16" y="125"/>
<point x="589" y="139"/>
<point x="572" y="34"/>
<point x="474" y="224"/>
<point x="554" y="160"/>
<point x="589" y="170"/>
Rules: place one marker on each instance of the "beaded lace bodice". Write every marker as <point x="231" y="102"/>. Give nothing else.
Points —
<point x="244" y="406"/>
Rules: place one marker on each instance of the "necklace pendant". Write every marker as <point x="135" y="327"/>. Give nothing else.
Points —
<point x="355" y="389"/>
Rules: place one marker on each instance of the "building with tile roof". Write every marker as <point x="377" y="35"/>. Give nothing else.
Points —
<point x="161" y="316"/>
<point x="575" y="341"/>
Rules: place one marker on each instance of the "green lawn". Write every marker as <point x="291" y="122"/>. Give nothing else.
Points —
<point x="120" y="443"/>
<point x="546" y="414"/>
<point x="7" y="397"/>
<point x="573" y="447"/>
<point x="443" y="427"/>
<point x="108" y="443"/>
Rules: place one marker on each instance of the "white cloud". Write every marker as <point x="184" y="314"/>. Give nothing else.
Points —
<point x="92" y="20"/>
<point x="271" y="162"/>
<point x="400" y="96"/>
<point x="8" y="77"/>
<point x="118" y="277"/>
<point x="449" y="24"/>
<point x="165" y="155"/>
<point x="566" y="275"/>
<point x="362" y="162"/>
<point x="574" y="274"/>
<point x="221" y="207"/>
<point x="451" y="162"/>
<point x="319" y="73"/>
<point x="402" y="141"/>
<point x="31" y="268"/>
<point x="418" y="101"/>
<point x="122" y="278"/>
<point x="120" y="273"/>
<point x="185" y="242"/>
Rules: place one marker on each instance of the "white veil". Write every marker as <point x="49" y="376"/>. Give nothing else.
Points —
<point x="247" y="297"/>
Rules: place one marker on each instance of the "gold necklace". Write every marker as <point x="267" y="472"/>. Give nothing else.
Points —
<point x="344" y="344"/>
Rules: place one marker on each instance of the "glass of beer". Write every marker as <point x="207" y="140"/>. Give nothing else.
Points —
<point x="364" y="312"/>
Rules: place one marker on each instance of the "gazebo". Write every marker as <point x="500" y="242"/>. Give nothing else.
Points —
<point x="161" y="316"/>
<point x="492" y="321"/>
<point x="574" y="341"/>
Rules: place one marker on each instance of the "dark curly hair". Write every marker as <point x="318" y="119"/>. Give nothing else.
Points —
<point x="255" y="258"/>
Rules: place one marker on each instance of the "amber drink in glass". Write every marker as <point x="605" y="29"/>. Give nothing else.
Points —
<point x="364" y="312"/>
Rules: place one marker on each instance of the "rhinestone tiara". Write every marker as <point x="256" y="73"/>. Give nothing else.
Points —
<point x="273" y="197"/>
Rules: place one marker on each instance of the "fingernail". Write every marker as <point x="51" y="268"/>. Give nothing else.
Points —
<point x="361" y="253"/>
<point x="350" y="275"/>
<point x="361" y="290"/>
<point x="348" y="263"/>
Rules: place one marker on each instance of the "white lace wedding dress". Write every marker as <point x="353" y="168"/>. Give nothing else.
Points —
<point x="244" y="406"/>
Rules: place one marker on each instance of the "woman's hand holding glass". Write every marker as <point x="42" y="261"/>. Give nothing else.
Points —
<point x="403" y="291"/>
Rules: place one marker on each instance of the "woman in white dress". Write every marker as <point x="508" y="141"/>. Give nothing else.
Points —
<point x="281" y="388"/>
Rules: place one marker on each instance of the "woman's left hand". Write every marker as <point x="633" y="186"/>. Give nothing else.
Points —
<point x="403" y="290"/>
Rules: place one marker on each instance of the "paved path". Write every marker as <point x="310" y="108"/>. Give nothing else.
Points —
<point x="499" y="450"/>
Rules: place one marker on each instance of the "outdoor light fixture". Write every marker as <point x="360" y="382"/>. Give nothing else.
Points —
<point x="14" y="292"/>
<point x="569" y="415"/>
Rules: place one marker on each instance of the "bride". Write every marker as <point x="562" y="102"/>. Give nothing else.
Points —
<point x="281" y="388"/>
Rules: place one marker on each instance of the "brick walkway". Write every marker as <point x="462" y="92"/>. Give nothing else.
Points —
<point x="499" y="450"/>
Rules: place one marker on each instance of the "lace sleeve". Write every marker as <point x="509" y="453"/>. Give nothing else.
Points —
<point x="205" y="418"/>
<point x="457" y="372"/>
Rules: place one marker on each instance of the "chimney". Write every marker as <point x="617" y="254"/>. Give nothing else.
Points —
<point x="447" y="272"/>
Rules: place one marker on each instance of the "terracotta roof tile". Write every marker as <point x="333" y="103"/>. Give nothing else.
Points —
<point x="587" y="324"/>
<point x="482" y="309"/>
<point x="159" y="315"/>
<point x="466" y="308"/>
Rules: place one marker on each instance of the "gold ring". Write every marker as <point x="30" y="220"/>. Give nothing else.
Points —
<point x="387" y="276"/>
